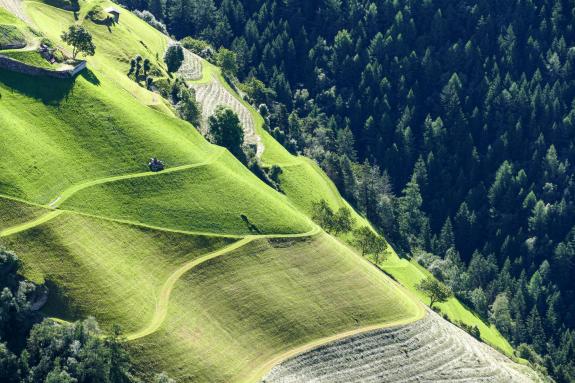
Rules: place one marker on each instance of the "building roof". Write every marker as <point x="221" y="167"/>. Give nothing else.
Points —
<point x="112" y="10"/>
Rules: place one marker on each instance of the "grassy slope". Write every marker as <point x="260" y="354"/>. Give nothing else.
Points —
<point x="224" y="325"/>
<point x="409" y="274"/>
<point x="30" y="57"/>
<point x="209" y="199"/>
<point x="56" y="133"/>
<point x="10" y="35"/>
<point x="14" y="213"/>
<point x="6" y="18"/>
<point x="304" y="183"/>
<point x="52" y="143"/>
<point x="108" y="270"/>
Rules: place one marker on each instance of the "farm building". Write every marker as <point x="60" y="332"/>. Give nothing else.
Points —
<point x="114" y="13"/>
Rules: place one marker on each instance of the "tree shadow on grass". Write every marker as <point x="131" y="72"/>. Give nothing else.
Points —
<point x="89" y="76"/>
<point x="251" y="227"/>
<point x="51" y="91"/>
<point x="58" y="304"/>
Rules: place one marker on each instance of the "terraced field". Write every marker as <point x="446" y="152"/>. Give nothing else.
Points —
<point x="241" y="310"/>
<point x="429" y="350"/>
<point x="214" y="94"/>
<point x="191" y="68"/>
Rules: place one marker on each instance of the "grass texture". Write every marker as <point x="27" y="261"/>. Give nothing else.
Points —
<point x="210" y="198"/>
<point x="409" y="274"/>
<point x="108" y="270"/>
<point x="234" y="314"/>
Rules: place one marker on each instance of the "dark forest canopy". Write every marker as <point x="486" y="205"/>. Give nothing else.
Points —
<point x="451" y="124"/>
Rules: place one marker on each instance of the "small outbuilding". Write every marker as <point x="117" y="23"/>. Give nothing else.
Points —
<point x="114" y="13"/>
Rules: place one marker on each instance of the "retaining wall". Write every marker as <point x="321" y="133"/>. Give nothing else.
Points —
<point x="20" y="67"/>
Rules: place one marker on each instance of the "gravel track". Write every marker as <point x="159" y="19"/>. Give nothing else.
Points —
<point x="214" y="94"/>
<point x="429" y="350"/>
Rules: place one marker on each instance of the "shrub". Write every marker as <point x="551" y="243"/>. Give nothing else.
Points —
<point x="97" y="15"/>
<point x="194" y="45"/>
<point x="47" y="42"/>
<point x="58" y="56"/>
<point x="228" y="61"/>
<point x="174" y="57"/>
<point x="149" y="18"/>
<point x="163" y="86"/>
<point x="156" y="165"/>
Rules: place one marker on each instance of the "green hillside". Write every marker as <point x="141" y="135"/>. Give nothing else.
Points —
<point x="409" y="274"/>
<point x="228" y="326"/>
<point x="209" y="198"/>
<point x="304" y="183"/>
<point x="13" y="213"/>
<point x="108" y="270"/>
<point x="212" y="274"/>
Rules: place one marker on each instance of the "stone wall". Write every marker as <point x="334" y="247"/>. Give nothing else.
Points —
<point x="20" y="67"/>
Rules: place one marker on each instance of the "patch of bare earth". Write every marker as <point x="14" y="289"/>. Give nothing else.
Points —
<point x="429" y="350"/>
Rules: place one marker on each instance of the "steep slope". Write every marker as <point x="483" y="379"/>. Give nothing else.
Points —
<point x="114" y="241"/>
<point x="303" y="182"/>
<point x="104" y="269"/>
<point x="201" y="291"/>
<point x="230" y="326"/>
<point x="196" y="199"/>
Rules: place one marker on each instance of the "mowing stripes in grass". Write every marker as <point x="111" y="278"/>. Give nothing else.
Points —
<point x="230" y="315"/>
<point x="108" y="270"/>
<point x="221" y="197"/>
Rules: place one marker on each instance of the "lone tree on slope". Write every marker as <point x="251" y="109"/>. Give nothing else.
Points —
<point x="437" y="291"/>
<point x="174" y="57"/>
<point x="226" y="130"/>
<point x="80" y="39"/>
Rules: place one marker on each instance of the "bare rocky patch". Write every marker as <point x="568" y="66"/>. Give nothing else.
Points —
<point x="429" y="350"/>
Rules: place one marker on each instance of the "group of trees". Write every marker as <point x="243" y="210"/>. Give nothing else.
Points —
<point x="33" y="350"/>
<point x="449" y="124"/>
<point x="341" y="222"/>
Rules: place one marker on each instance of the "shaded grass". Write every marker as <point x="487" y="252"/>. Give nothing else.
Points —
<point x="11" y="37"/>
<point x="210" y="198"/>
<point x="13" y="213"/>
<point x="108" y="270"/>
<point x="231" y="315"/>
<point x="29" y="57"/>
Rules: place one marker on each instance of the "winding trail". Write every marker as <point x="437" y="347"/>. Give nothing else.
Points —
<point x="162" y="304"/>
<point x="73" y="189"/>
<point x="164" y="298"/>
